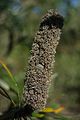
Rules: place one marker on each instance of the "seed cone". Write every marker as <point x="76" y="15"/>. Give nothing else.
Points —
<point x="40" y="69"/>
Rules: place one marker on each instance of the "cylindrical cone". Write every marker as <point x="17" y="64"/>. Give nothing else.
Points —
<point x="38" y="78"/>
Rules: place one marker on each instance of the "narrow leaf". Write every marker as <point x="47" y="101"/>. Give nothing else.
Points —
<point x="58" y="110"/>
<point x="5" y="94"/>
<point x="11" y="76"/>
<point x="37" y="115"/>
<point x="49" y="110"/>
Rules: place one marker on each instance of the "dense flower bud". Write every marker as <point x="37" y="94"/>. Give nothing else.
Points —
<point x="42" y="60"/>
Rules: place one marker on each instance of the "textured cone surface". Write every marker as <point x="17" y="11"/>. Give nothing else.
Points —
<point x="38" y="77"/>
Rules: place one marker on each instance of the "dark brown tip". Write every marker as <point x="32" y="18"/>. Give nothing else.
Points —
<point x="51" y="19"/>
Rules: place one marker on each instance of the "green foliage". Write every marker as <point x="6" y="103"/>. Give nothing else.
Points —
<point x="14" y="83"/>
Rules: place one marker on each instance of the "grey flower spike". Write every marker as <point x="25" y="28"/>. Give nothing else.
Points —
<point x="38" y="78"/>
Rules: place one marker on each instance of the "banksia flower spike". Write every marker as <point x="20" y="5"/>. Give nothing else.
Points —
<point x="38" y="77"/>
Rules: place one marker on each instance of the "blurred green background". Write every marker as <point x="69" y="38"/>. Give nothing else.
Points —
<point x="19" y="20"/>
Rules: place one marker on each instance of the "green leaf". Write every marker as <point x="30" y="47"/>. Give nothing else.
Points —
<point x="55" y="105"/>
<point x="12" y="78"/>
<point x="37" y="115"/>
<point x="5" y="94"/>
